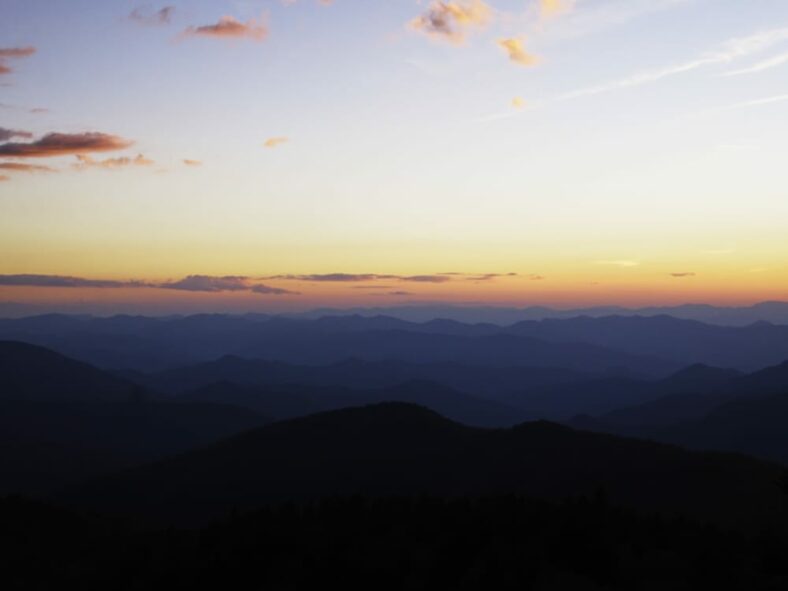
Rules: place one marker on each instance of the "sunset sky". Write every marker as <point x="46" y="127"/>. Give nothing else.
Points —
<point x="210" y="155"/>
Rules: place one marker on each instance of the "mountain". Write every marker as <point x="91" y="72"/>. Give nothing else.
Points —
<point x="289" y="401"/>
<point x="741" y="413"/>
<point x="772" y="312"/>
<point x="62" y="421"/>
<point x="155" y="344"/>
<point x="37" y="374"/>
<point x="493" y="383"/>
<point x="746" y="348"/>
<point x="626" y="345"/>
<point x="401" y="449"/>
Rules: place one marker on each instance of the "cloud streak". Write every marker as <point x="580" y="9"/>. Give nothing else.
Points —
<point x="550" y="8"/>
<point x="730" y="51"/>
<point x="229" y="27"/>
<point x="85" y="162"/>
<point x="274" y="142"/>
<point x="772" y="62"/>
<point x="191" y="283"/>
<point x="143" y="16"/>
<point x="64" y="144"/>
<point x="7" y="134"/>
<point x="13" y="53"/>
<point x="517" y="53"/>
<point x="24" y="167"/>
<point x="450" y="21"/>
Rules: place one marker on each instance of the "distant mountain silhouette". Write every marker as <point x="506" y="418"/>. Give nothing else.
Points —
<point x="36" y="374"/>
<point x="402" y="449"/>
<point x="772" y="312"/>
<point x="288" y="401"/>
<point x="743" y="413"/>
<point x="62" y="420"/>
<point x="746" y="348"/>
<point x="162" y="343"/>
<point x="484" y="382"/>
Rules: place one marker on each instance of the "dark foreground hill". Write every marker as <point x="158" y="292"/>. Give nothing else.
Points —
<point x="401" y="449"/>
<point x="62" y="421"/>
<point x="290" y="401"/>
<point x="32" y="373"/>
<point x="502" y="543"/>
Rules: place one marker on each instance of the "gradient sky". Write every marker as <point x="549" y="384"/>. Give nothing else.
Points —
<point x="354" y="152"/>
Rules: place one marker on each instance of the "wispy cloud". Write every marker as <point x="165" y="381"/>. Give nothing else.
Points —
<point x="682" y="274"/>
<point x="550" y="8"/>
<point x="4" y="178"/>
<point x="193" y="283"/>
<point x="371" y="277"/>
<point x="731" y="50"/>
<point x="84" y="162"/>
<point x="64" y="144"/>
<point x="772" y="62"/>
<point x="517" y="53"/>
<point x="24" y="167"/>
<point x="233" y="283"/>
<point x="149" y="17"/>
<point x="30" y="280"/>
<point x="623" y="263"/>
<point x="7" y="134"/>
<point x="450" y="21"/>
<point x="190" y="162"/>
<point x="229" y="27"/>
<point x="780" y="98"/>
<point x="273" y="142"/>
<point x="13" y="53"/>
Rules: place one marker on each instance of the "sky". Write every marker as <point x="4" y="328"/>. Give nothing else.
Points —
<point x="255" y="155"/>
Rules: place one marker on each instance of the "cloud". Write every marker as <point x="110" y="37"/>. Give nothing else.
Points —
<point x="64" y="144"/>
<point x="755" y="103"/>
<point x="195" y="283"/>
<point x="84" y="162"/>
<point x="684" y="274"/>
<point x="333" y="277"/>
<point x="64" y="281"/>
<point x="772" y="62"/>
<point x="426" y="278"/>
<point x="10" y="53"/>
<point x="729" y="51"/>
<point x="147" y="17"/>
<point x="618" y="263"/>
<point x="189" y="162"/>
<point x="488" y="276"/>
<point x="273" y="142"/>
<point x="7" y="134"/>
<point x="229" y="27"/>
<point x="4" y="178"/>
<point x="359" y="277"/>
<point x="368" y="277"/>
<point x="16" y="52"/>
<point x="448" y="21"/>
<point x="207" y="283"/>
<point x="268" y="290"/>
<point x="536" y="277"/>
<point x="24" y="167"/>
<point x="517" y="53"/>
<point x="549" y="8"/>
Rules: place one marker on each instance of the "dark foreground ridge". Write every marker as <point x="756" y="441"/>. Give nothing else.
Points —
<point x="403" y="449"/>
<point x="508" y="542"/>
